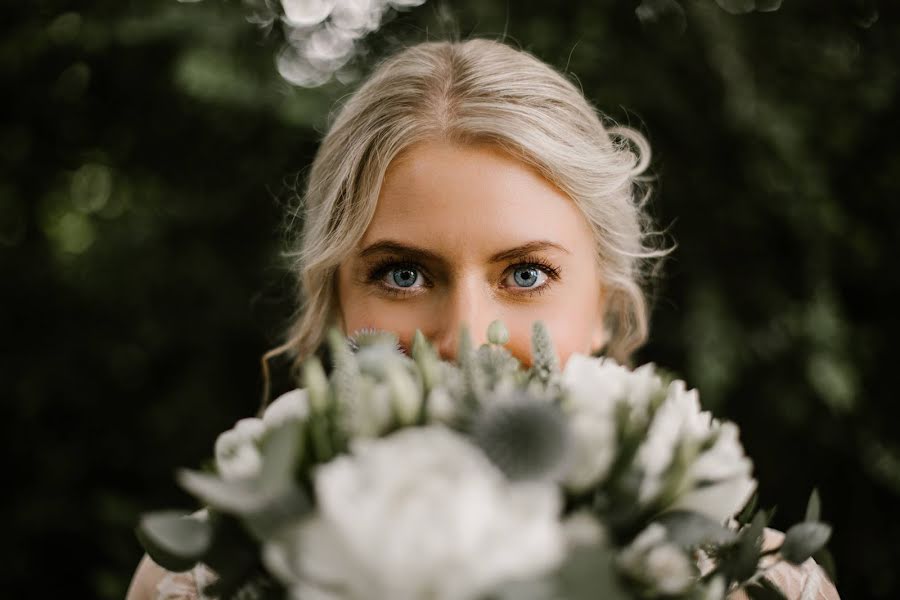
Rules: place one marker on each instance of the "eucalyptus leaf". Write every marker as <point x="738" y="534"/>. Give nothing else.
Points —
<point x="740" y="563"/>
<point x="281" y="451"/>
<point x="803" y="540"/>
<point x="691" y="530"/>
<point x="234" y="497"/>
<point x="746" y="513"/>
<point x="174" y="540"/>
<point x="286" y="508"/>
<point x="813" y="507"/>
<point x="232" y="550"/>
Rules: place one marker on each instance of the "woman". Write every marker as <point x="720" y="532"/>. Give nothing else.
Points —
<point x="467" y="182"/>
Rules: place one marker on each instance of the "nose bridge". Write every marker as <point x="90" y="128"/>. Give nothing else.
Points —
<point x="466" y="304"/>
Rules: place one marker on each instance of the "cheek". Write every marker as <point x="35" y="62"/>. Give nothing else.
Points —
<point x="570" y="332"/>
<point x="571" y="322"/>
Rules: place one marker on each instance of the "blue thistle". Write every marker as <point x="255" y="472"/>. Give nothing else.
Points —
<point x="526" y="437"/>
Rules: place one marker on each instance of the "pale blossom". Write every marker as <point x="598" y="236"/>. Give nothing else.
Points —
<point x="419" y="514"/>
<point x="594" y="388"/>
<point x="726" y="477"/>
<point x="717" y="482"/>
<point x="658" y="563"/>
<point x="305" y="13"/>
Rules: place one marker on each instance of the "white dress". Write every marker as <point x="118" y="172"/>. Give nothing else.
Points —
<point x="802" y="582"/>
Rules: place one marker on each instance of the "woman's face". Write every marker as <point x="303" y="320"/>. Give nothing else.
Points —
<point x="463" y="235"/>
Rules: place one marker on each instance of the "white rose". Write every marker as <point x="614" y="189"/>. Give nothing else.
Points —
<point x="678" y="418"/>
<point x="594" y="388"/>
<point x="236" y="451"/>
<point x="717" y="482"/>
<point x="652" y="559"/>
<point x="731" y="471"/>
<point x="421" y="513"/>
<point x="305" y="13"/>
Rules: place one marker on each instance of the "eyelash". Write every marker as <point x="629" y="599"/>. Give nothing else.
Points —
<point x="384" y="266"/>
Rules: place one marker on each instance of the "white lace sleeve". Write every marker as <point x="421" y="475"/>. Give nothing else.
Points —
<point x="185" y="586"/>
<point x="797" y="582"/>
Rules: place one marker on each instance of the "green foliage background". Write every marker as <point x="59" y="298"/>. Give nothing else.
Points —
<point x="148" y="150"/>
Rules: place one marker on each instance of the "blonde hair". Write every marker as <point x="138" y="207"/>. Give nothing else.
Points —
<point x="473" y="91"/>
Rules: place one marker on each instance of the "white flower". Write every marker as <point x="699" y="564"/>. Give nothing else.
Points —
<point x="236" y="450"/>
<point x="305" y="13"/>
<point x="594" y="388"/>
<point x="717" y="482"/>
<point x="584" y="529"/>
<point x="419" y="514"/>
<point x="442" y="407"/>
<point x="358" y="16"/>
<point x="678" y="418"/>
<point x="652" y="559"/>
<point x="292" y="406"/>
<point x="725" y="473"/>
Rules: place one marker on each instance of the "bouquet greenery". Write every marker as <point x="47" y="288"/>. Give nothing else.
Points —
<point x="409" y="477"/>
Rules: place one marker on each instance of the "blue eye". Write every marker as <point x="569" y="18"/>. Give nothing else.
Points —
<point x="404" y="277"/>
<point x="526" y="276"/>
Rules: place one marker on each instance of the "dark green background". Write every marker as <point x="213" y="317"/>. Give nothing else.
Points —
<point x="147" y="155"/>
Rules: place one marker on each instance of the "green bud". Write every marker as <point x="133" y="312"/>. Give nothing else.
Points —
<point x="497" y="333"/>
<point x="405" y="395"/>
<point x="316" y="383"/>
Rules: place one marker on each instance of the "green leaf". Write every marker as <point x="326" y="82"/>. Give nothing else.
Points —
<point x="764" y="590"/>
<point x="281" y="451"/>
<point x="746" y="514"/>
<point x="316" y="382"/>
<point x="233" y="553"/>
<point x="173" y="539"/>
<point x="286" y="508"/>
<point x="234" y="497"/>
<point x="741" y="562"/>
<point x="803" y="540"/>
<point x="691" y="530"/>
<point x="427" y="360"/>
<point x="813" y="507"/>
<point x="345" y="375"/>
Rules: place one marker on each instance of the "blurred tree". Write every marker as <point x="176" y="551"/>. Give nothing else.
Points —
<point x="148" y="151"/>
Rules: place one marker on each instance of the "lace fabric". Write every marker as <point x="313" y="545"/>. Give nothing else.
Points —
<point x="188" y="585"/>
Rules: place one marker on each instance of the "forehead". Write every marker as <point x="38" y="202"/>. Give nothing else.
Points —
<point x="439" y="193"/>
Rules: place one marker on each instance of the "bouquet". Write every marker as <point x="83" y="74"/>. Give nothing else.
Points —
<point x="407" y="477"/>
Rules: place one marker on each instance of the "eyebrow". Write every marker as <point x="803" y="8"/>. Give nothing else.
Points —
<point x="505" y="255"/>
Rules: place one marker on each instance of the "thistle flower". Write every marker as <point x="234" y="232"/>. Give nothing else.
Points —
<point x="369" y="336"/>
<point x="525" y="437"/>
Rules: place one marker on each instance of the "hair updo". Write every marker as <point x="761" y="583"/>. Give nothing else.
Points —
<point x="473" y="91"/>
